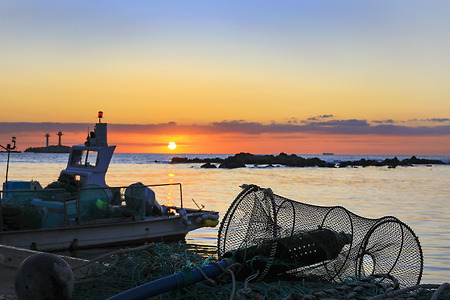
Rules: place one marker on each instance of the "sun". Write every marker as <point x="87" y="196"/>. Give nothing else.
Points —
<point x="172" y="145"/>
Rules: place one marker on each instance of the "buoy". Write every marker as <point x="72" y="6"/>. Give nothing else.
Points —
<point x="44" y="276"/>
<point x="210" y="223"/>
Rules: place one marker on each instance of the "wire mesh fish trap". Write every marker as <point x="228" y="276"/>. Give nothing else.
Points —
<point x="278" y="238"/>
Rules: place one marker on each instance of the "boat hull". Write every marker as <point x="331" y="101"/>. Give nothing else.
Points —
<point x="125" y="232"/>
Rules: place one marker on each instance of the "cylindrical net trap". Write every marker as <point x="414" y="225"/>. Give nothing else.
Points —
<point x="281" y="239"/>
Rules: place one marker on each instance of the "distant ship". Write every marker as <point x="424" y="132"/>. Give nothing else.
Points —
<point x="328" y="153"/>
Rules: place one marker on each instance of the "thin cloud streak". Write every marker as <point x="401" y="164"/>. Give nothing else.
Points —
<point x="350" y="127"/>
<point x="346" y="127"/>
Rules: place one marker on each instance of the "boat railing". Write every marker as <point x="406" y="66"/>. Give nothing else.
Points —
<point x="57" y="207"/>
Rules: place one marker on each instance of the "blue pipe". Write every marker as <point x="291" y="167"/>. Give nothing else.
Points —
<point x="171" y="282"/>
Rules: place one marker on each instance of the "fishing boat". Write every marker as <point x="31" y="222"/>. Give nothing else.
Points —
<point x="80" y="210"/>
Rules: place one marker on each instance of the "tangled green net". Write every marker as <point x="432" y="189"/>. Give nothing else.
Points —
<point x="122" y="270"/>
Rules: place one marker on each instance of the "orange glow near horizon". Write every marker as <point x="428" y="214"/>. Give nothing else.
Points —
<point x="305" y="143"/>
<point x="296" y="144"/>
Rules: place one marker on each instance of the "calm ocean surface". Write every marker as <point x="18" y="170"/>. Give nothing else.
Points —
<point x="418" y="195"/>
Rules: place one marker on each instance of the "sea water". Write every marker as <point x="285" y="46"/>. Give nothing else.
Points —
<point x="417" y="195"/>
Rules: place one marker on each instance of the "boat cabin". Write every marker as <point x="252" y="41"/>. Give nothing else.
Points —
<point x="89" y="162"/>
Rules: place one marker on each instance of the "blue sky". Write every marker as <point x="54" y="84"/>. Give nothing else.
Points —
<point x="203" y="63"/>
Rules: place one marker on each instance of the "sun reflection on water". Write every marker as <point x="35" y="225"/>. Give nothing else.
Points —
<point x="172" y="188"/>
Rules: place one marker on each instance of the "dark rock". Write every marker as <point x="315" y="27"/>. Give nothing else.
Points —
<point x="231" y="165"/>
<point x="241" y="159"/>
<point x="421" y="161"/>
<point x="360" y="163"/>
<point x="233" y="162"/>
<point x="49" y="149"/>
<point x="390" y="162"/>
<point x="208" y="165"/>
<point x="184" y="160"/>
<point x="179" y="160"/>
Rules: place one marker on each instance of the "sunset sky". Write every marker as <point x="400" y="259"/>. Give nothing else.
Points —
<point x="303" y="77"/>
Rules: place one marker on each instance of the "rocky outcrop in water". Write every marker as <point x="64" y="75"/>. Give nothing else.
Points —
<point x="240" y="160"/>
<point x="49" y="149"/>
<point x="391" y="162"/>
<point x="208" y="165"/>
<point x="178" y="160"/>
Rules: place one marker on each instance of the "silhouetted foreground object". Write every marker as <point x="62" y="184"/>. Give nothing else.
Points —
<point x="44" y="276"/>
<point x="240" y="160"/>
<point x="291" y="252"/>
<point x="275" y="238"/>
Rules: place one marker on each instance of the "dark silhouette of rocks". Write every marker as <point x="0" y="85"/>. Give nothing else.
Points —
<point x="391" y="162"/>
<point x="208" y="165"/>
<point x="49" y="149"/>
<point x="422" y="161"/>
<point x="242" y="159"/>
<point x="182" y="160"/>
<point x="360" y="163"/>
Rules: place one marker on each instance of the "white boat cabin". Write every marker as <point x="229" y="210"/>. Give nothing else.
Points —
<point x="88" y="162"/>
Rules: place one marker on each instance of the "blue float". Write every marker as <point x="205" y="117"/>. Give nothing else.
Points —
<point x="172" y="282"/>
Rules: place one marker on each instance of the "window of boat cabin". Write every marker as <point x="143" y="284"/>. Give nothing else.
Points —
<point x="81" y="180"/>
<point x="84" y="158"/>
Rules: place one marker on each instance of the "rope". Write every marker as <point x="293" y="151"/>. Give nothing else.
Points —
<point x="228" y="271"/>
<point x="439" y="290"/>
<point x="418" y="288"/>
<point x="120" y="251"/>
<point x="204" y="275"/>
<point x="246" y="289"/>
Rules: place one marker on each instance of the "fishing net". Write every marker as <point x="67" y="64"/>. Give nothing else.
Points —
<point x="278" y="238"/>
<point x="93" y="203"/>
<point x="21" y="216"/>
<point x="120" y="270"/>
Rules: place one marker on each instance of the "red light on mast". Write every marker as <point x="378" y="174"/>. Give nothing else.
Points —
<point x="100" y="116"/>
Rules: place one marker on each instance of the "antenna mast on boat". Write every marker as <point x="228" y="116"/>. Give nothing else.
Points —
<point x="8" y="148"/>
